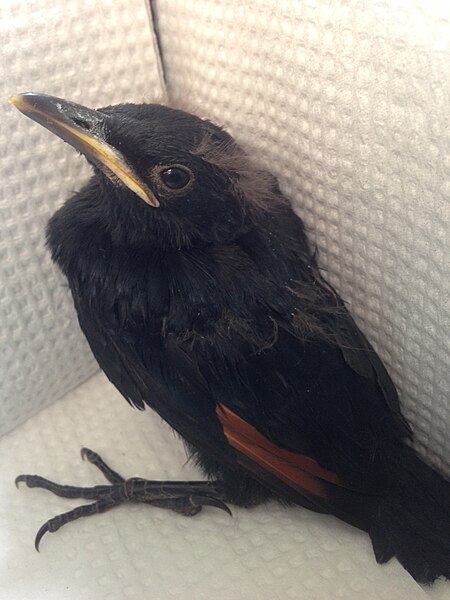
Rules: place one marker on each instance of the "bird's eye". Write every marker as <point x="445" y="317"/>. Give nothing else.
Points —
<point x="176" y="177"/>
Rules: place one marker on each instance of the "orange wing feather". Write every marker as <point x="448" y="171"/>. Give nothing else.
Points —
<point x="296" y="470"/>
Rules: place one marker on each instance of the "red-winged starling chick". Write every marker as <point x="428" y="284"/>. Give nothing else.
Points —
<point x="199" y="295"/>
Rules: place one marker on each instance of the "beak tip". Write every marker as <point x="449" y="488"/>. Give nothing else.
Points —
<point x="20" y="100"/>
<point x="15" y="99"/>
<point x="26" y="101"/>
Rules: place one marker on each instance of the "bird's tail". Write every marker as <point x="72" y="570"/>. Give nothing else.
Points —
<point x="413" y="521"/>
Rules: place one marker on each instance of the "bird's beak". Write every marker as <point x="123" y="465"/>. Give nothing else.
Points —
<point x="84" y="129"/>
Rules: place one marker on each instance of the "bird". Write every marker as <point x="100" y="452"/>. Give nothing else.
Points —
<point x="200" y="296"/>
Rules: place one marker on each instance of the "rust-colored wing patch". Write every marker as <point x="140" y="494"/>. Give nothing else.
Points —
<point x="298" y="471"/>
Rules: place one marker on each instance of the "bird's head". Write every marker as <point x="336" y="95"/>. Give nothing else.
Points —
<point x="162" y="176"/>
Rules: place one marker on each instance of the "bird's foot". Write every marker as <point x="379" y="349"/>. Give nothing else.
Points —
<point x="185" y="497"/>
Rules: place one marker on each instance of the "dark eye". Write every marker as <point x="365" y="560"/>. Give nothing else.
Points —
<point x="175" y="178"/>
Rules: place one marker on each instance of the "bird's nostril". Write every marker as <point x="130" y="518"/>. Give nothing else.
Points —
<point x="85" y="124"/>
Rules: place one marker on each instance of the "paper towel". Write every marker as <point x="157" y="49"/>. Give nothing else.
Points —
<point x="347" y="103"/>
<point x="93" y="52"/>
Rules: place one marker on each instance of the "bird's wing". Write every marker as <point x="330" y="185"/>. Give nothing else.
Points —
<point x="293" y="476"/>
<point x="273" y="447"/>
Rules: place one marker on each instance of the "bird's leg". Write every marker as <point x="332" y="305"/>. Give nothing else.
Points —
<point x="185" y="497"/>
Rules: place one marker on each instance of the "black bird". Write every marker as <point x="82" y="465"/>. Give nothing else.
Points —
<point x="200" y="297"/>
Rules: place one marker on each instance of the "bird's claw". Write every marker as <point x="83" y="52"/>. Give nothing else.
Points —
<point x="187" y="498"/>
<point x="201" y="501"/>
